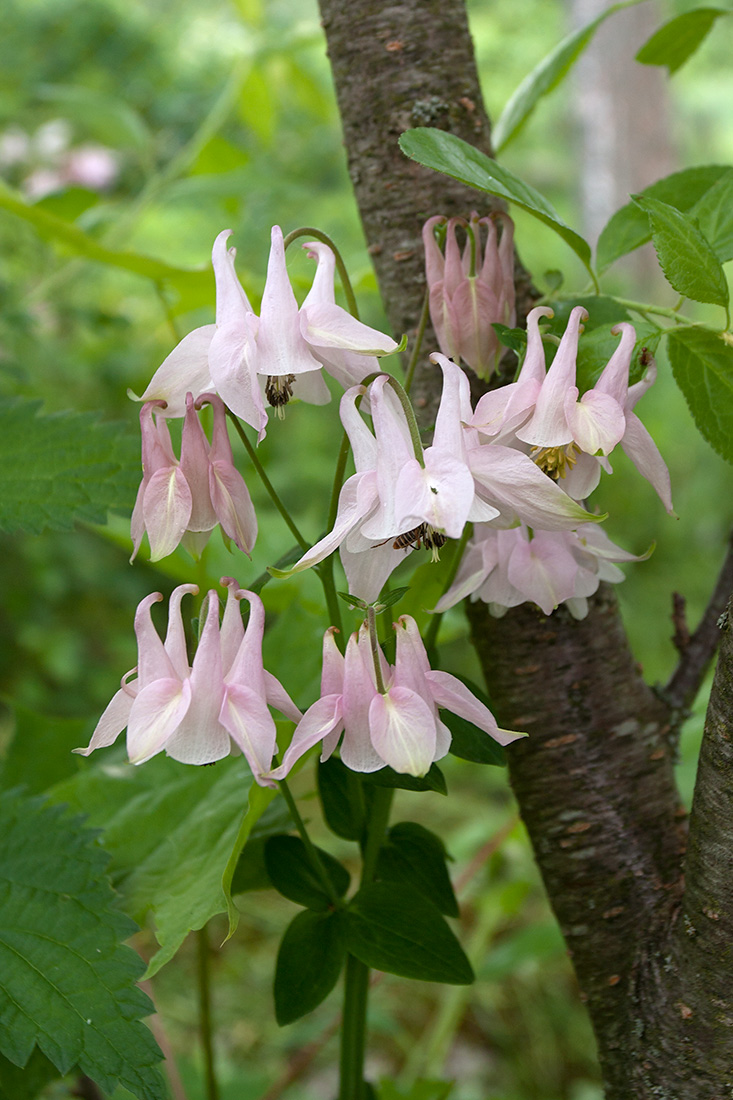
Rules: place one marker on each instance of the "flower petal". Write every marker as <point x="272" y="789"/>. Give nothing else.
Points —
<point x="449" y="692"/>
<point x="156" y="713"/>
<point x="403" y="732"/>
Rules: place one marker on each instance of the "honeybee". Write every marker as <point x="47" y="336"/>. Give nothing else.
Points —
<point x="424" y="535"/>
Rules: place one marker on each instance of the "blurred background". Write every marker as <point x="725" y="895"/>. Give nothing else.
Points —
<point x="151" y="126"/>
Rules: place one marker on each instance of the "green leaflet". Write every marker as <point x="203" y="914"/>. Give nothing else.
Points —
<point x="446" y="153"/>
<point x="702" y="364"/>
<point x="677" y="40"/>
<point x="62" y="469"/>
<point x="67" y="983"/>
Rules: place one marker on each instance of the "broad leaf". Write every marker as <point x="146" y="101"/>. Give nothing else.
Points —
<point x="686" y="258"/>
<point x="446" y="153"/>
<point x="714" y="215"/>
<point x="309" y="962"/>
<point x="390" y="927"/>
<point x="62" y="469"/>
<point x="26" y="1083"/>
<point x="39" y="753"/>
<point x="628" y="228"/>
<point x="434" y="780"/>
<point x="411" y="854"/>
<point x="702" y="364"/>
<point x="544" y="77"/>
<point x="293" y="875"/>
<point x="677" y="40"/>
<point x="170" y="830"/>
<point x="422" y="1089"/>
<point x="245" y="868"/>
<point x="67" y="983"/>
<point x="343" y="799"/>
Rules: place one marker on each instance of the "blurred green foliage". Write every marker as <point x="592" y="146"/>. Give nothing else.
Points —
<point x="219" y="116"/>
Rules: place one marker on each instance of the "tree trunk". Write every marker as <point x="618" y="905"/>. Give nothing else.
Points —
<point x="594" y="779"/>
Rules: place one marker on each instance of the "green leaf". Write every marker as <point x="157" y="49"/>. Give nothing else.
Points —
<point x="109" y="120"/>
<point x="26" y="1083"/>
<point x="389" y="927"/>
<point x="67" y="983"/>
<point x="686" y="258"/>
<point x="514" y="338"/>
<point x="309" y="962"/>
<point x="411" y="854"/>
<point x="677" y="40"/>
<point x="393" y="597"/>
<point x="62" y="469"/>
<point x="702" y="364"/>
<point x="50" y="227"/>
<point x="714" y="215"/>
<point x="39" y="753"/>
<point x="434" y="780"/>
<point x="544" y="78"/>
<point x="628" y="228"/>
<point x="446" y="153"/>
<point x="257" y="805"/>
<point x="598" y="343"/>
<point x="292" y="874"/>
<point x="169" y="829"/>
<point x="343" y="799"/>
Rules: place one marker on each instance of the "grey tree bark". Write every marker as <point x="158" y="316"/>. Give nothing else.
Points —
<point x="650" y="928"/>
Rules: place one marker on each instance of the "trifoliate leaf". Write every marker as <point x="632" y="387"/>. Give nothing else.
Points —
<point x="67" y="983"/>
<point x="64" y="468"/>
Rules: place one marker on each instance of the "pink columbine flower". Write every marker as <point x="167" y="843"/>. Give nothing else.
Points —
<point x="399" y="726"/>
<point x="247" y="359"/>
<point x="184" y="501"/>
<point x="571" y="435"/>
<point x="507" y="568"/>
<point x="467" y="294"/>
<point x="201" y="712"/>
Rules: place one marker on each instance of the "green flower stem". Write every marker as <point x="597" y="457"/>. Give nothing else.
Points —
<point x="374" y="646"/>
<point x="313" y="856"/>
<point x="308" y="231"/>
<point x="204" y="988"/>
<point x="356" y="983"/>
<point x="266" y="481"/>
<point x="431" y="634"/>
<point x="415" y="353"/>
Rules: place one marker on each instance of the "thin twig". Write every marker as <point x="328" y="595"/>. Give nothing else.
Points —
<point x="698" y="649"/>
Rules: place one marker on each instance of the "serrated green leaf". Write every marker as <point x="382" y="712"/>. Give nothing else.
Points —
<point x="544" y="77"/>
<point x="343" y="799"/>
<point x="677" y="40"/>
<point x="293" y="875"/>
<point x="309" y="962"/>
<point x="390" y="927"/>
<point x="714" y="214"/>
<point x="628" y="228"/>
<point x="702" y="364"/>
<point x="67" y="983"/>
<point x="446" y="153"/>
<point x="433" y="780"/>
<point x="169" y="829"/>
<point x="411" y="854"/>
<point x="62" y="469"/>
<point x="39" y="753"/>
<point x="686" y="258"/>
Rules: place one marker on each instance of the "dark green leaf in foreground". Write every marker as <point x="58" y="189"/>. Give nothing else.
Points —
<point x="434" y="780"/>
<point x="468" y="741"/>
<point x="343" y="798"/>
<point x="543" y="78"/>
<point x="628" y="228"/>
<point x="446" y="153"/>
<point x="67" y="983"/>
<point x="686" y="258"/>
<point x="702" y="365"/>
<point x="414" y="856"/>
<point x="64" y="468"/>
<point x="293" y="875"/>
<point x="390" y="927"/>
<point x="714" y="215"/>
<point x="677" y="40"/>
<point x="308" y="965"/>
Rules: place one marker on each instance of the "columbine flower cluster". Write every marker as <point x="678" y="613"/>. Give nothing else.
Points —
<point x="520" y="466"/>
